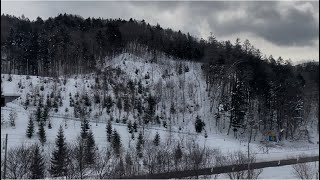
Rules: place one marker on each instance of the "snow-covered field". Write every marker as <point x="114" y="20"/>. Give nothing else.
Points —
<point x="196" y="96"/>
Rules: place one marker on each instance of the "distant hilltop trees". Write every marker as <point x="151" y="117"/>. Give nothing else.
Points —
<point x="72" y="44"/>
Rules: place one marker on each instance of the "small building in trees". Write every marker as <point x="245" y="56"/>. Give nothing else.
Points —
<point x="6" y="98"/>
<point x="271" y="136"/>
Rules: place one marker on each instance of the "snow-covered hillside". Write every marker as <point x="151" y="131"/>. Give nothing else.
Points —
<point x="176" y="84"/>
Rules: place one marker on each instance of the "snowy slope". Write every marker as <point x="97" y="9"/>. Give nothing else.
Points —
<point x="163" y="80"/>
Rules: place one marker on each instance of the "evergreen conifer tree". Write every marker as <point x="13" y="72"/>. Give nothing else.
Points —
<point x="90" y="148"/>
<point x="96" y="98"/>
<point x="48" y="102"/>
<point x="86" y="99"/>
<point x="199" y="125"/>
<point x="130" y="127"/>
<point x="116" y="142"/>
<point x="60" y="102"/>
<point x="135" y="126"/>
<point x="59" y="156"/>
<point x="156" y="140"/>
<point x="45" y="114"/>
<point x="109" y="131"/>
<point x="126" y="104"/>
<point x="151" y="107"/>
<point x="30" y="128"/>
<point x="140" y="88"/>
<point x="172" y="109"/>
<point x="124" y="120"/>
<point x="158" y="119"/>
<point x="139" y="150"/>
<point x="146" y="117"/>
<point x="55" y="103"/>
<point x="40" y="101"/>
<point x="119" y="106"/>
<point x="42" y="133"/>
<point x="38" y="114"/>
<point x="140" y="138"/>
<point x="27" y="103"/>
<point x="49" y="125"/>
<point x="108" y="103"/>
<point x="138" y="106"/>
<point x="37" y="164"/>
<point x="140" y="145"/>
<point x="84" y="128"/>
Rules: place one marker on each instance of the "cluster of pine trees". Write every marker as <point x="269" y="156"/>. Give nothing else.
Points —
<point x="82" y="158"/>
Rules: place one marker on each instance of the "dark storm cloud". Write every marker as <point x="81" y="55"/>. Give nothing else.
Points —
<point x="265" y="19"/>
<point x="281" y="23"/>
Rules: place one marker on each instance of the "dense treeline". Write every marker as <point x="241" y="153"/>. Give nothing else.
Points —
<point x="256" y="92"/>
<point x="263" y="93"/>
<point x="68" y="42"/>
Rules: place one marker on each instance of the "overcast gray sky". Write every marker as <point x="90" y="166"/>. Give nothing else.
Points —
<point x="282" y="28"/>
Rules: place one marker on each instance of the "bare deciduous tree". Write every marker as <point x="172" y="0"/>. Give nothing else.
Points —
<point x="77" y="168"/>
<point x="18" y="162"/>
<point x="303" y="170"/>
<point x="197" y="157"/>
<point x="239" y="158"/>
<point x="103" y="167"/>
<point x="150" y="153"/>
<point x="119" y="170"/>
